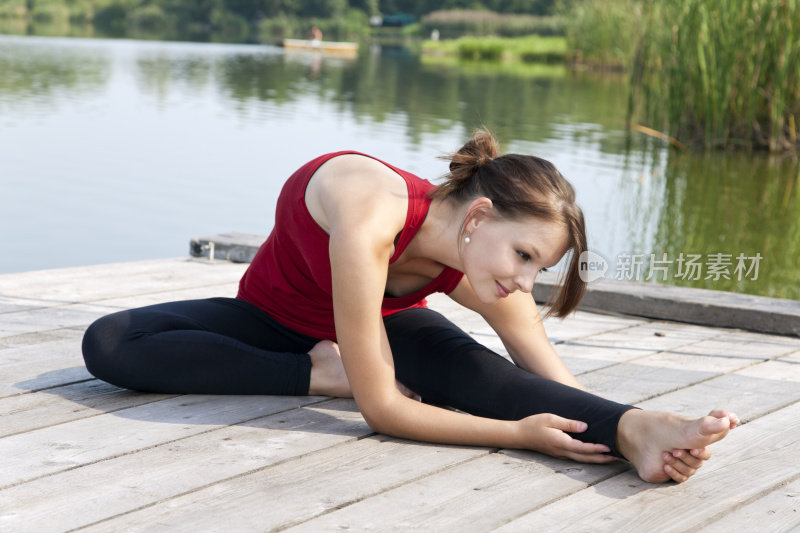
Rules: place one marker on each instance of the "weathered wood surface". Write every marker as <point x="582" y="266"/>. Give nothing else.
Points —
<point x="755" y="458"/>
<point x="81" y="454"/>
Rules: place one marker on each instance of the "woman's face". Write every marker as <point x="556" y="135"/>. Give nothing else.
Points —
<point x="504" y="256"/>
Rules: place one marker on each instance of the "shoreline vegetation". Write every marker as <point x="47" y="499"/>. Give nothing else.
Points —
<point x="528" y="49"/>
<point x="703" y="74"/>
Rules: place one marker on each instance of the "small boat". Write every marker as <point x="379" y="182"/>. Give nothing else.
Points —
<point x="328" y="47"/>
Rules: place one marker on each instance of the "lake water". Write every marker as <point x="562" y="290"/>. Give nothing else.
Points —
<point x="115" y="150"/>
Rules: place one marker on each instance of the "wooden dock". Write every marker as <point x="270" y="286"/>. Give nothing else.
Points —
<point x="80" y="454"/>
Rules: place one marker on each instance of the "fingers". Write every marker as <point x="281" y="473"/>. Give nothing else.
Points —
<point x="677" y="475"/>
<point x="687" y="458"/>
<point x="567" y="445"/>
<point x="556" y="442"/>
<point x="565" y="424"/>
<point x="701" y="453"/>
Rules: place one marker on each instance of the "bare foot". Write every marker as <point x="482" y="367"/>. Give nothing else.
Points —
<point x="327" y="371"/>
<point x="664" y="446"/>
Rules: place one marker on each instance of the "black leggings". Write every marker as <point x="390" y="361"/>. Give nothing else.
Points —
<point x="229" y="346"/>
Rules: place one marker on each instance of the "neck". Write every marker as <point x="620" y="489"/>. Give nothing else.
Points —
<point x="438" y="238"/>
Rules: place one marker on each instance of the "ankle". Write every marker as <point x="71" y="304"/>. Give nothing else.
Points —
<point x="627" y="429"/>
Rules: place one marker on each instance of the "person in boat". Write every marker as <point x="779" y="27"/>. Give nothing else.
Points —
<point x="333" y="304"/>
<point x="315" y="36"/>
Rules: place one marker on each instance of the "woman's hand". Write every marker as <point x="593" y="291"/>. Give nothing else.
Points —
<point x="546" y="433"/>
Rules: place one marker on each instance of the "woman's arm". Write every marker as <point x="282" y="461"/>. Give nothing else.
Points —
<point x="362" y="214"/>
<point x="362" y="220"/>
<point x="357" y="290"/>
<point x="518" y="323"/>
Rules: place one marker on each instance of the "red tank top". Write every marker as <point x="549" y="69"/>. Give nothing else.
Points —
<point x="290" y="276"/>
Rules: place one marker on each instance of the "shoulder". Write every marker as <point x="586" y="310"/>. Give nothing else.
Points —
<point x="352" y="190"/>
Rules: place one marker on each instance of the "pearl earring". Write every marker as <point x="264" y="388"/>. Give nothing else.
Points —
<point x="466" y="239"/>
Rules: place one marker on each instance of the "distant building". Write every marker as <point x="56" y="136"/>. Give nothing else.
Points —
<point x="394" y="20"/>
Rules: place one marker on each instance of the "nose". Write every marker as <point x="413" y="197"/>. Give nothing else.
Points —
<point x="525" y="280"/>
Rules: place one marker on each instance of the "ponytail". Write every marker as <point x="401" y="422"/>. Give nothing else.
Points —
<point x="479" y="151"/>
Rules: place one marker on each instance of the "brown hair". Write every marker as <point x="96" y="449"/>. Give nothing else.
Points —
<point x="519" y="186"/>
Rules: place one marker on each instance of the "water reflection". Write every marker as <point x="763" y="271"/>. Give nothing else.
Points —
<point x="35" y="74"/>
<point x="735" y="204"/>
<point x="199" y="138"/>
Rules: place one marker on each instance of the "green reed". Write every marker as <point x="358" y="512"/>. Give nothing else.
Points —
<point x="706" y="72"/>
<point x="720" y="74"/>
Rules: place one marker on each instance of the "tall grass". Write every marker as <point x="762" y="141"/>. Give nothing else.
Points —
<point x="705" y="72"/>
<point x="721" y="74"/>
<point x="603" y="33"/>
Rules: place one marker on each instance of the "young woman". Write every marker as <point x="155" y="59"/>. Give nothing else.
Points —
<point x="333" y="304"/>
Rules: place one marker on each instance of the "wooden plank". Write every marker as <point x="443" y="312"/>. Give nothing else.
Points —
<point x="104" y="489"/>
<point x="582" y="324"/>
<point x="227" y="290"/>
<point x="753" y="459"/>
<point x="743" y="344"/>
<point x="40" y="366"/>
<point x="579" y="324"/>
<point x="776" y="511"/>
<point x="472" y="496"/>
<point x="750" y="392"/>
<point x="26" y="412"/>
<point x="90" y="283"/>
<point x="580" y="365"/>
<point x="635" y="341"/>
<point x="299" y="489"/>
<point x="37" y="337"/>
<point x="50" y="318"/>
<point x="632" y="382"/>
<point x="54" y="317"/>
<point x="57" y="448"/>
<point x="14" y="304"/>
<point x="658" y="374"/>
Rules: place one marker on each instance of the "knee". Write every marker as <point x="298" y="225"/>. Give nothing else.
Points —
<point x="103" y="343"/>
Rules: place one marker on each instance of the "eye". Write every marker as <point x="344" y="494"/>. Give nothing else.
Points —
<point x="525" y="256"/>
<point x="543" y="269"/>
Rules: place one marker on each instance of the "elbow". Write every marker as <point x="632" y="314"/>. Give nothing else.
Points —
<point x="379" y="417"/>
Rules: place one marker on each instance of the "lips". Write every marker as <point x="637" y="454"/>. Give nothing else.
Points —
<point x="502" y="290"/>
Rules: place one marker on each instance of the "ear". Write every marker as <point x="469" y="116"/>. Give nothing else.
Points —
<point x="479" y="210"/>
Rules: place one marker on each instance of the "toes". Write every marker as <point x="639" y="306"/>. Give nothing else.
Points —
<point x="714" y="428"/>
<point x="687" y="458"/>
<point x="724" y="413"/>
